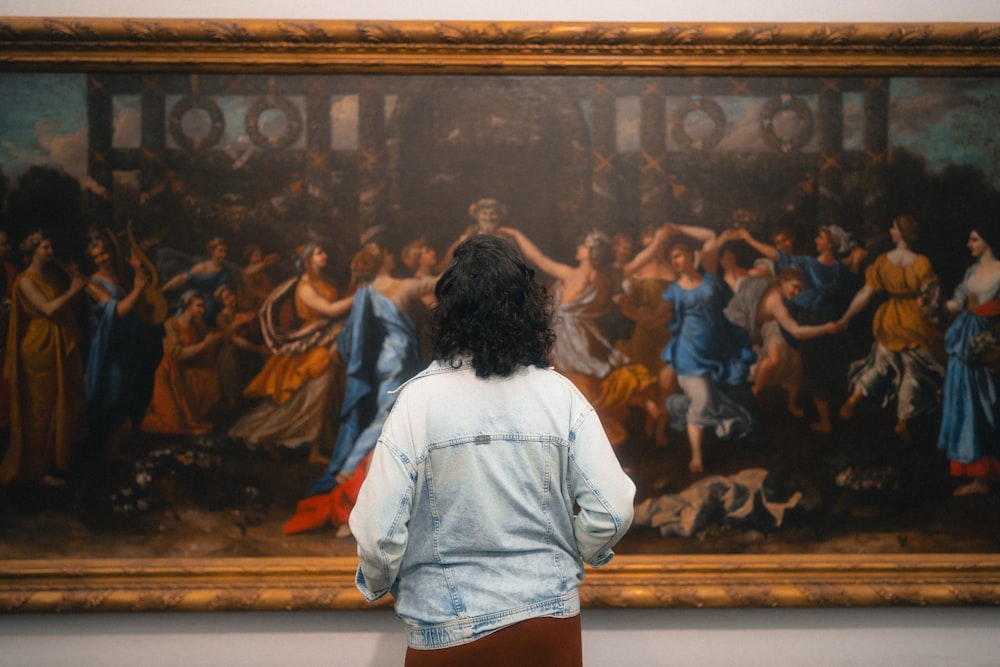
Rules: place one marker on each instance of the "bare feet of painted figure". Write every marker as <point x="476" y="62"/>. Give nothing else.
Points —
<point x="823" y="423"/>
<point x="847" y="409"/>
<point x="975" y="487"/>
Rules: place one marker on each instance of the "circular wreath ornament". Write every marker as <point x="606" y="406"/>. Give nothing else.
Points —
<point x="293" y="122"/>
<point x="705" y="106"/>
<point x="786" y="123"/>
<point x="192" y="104"/>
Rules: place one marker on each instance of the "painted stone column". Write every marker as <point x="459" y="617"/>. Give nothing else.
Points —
<point x="876" y="148"/>
<point x="372" y="204"/>
<point x="653" y="205"/>
<point x="603" y="142"/>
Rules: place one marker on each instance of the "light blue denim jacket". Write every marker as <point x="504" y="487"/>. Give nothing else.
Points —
<point x="467" y="512"/>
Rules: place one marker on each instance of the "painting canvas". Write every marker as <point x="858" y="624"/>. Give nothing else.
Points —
<point x="198" y="410"/>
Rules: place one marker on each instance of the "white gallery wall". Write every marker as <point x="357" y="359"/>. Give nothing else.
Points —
<point x="882" y="637"/>
<point x="523" y="10"/>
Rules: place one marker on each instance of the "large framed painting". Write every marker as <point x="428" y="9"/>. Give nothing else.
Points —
<point x="184" y="429"/>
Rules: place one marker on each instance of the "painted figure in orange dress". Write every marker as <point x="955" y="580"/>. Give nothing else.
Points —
<point x="904" y="365"/>
<point x="186" y="387"/>
<point x="301" y="384"/>
<point x="8" y="274"/>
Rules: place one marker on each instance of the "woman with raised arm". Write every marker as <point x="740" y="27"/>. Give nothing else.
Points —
<point x="204" y="276"/>
<point x="645" y="277"/>
<point x="708" y="354"/>
<point x="45" y="369"/>
<point x="301" y="384"/>
<point x="903" y="364"/>
<point x="826" y="295"/>
<point x="582" y="351"/>
<point x="759" y="307"/>
<point x="124" y="351"/>
<point x="970" y="425"/>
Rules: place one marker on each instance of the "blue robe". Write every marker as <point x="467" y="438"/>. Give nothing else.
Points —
<point x="825" y="296"/>
<point x="380" y="347"/>
<point x="711" y="357"/>
<point x="703" y="341"/>
<point x="121" y="364"/>
<point x="970" y="424"/>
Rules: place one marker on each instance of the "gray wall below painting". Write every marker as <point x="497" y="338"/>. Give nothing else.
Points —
<point x="886" y="636"/>
<point x="896" y="637"/>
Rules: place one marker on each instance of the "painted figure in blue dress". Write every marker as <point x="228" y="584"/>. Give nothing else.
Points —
<point x="204" y="275"/>
<point x="970" y="427"/>
<point x="709" y="355"/>
<point x="124" y="351"/>
<point x="830" y="286"/>
<point x="380" y="346"/>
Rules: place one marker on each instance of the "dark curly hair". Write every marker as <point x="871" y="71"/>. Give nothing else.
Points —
<point x="491" y="309"/>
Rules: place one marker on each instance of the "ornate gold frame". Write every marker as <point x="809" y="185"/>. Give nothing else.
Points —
<point x="500" y="47"/>
<point x="37" y="44"/>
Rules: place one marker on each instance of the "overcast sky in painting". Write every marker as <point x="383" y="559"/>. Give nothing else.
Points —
<point x="949" y="120"/>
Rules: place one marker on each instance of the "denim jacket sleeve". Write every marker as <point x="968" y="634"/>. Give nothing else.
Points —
<point x="379" y="520"/>
<point x="601" y="489"/>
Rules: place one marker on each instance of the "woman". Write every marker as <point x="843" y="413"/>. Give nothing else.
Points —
<point x="830" y="286"/>
<point x="239" y="358"/>
<point x="186" y="385"/>
<point x="204" y="276"/>
<point x="45" y="370"/>
<point x="301" y="384"/>
<point x="582" y="351"/>
<point x="970" y="427"/>
<point x="422" y="262"/>
<point x="124" y="352"/>
<point x="8" y="274"/>
<point x="759" y="307"/>
<point x="254" y="286"/>
<point x="708" y="354"/>
<point x="380" y="345"/>
<point x="903" y="365"/>
<point x="492" y="482"/>
<point x="645" y="278"/>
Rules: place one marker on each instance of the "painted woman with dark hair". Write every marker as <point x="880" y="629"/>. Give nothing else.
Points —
<point x="492" y="482"/>
<point x="380" y="348"/>
<point x="970" y="426"/>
